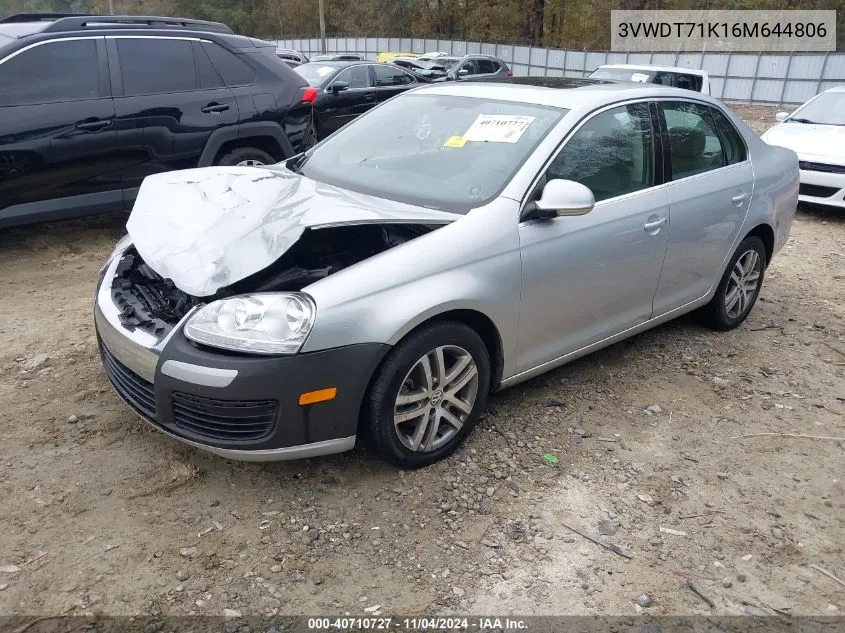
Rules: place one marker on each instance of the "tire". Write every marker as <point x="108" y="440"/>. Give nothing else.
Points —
<point x="246" y="155"/>
<point x="726" y="310"/>
<point x="403" y="371"/>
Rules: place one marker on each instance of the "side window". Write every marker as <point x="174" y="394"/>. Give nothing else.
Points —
<point x="735" y="150"/>
<point x="689" y="82"/>
<point x="694" y="145"/>
<point x="665" y="79"/>
<point x="234" y="71"/>
<point x="156" y="66"/>
<point x="612" y="154"/>
<point x="487" y="66"/>
<point x="356" y="77"/>
<point x="208" y="76"/>
<point x="51" y="73"/>
<point x="387" y="76"/>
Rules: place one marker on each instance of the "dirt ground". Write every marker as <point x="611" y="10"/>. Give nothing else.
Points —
<point x="99" y="514"/>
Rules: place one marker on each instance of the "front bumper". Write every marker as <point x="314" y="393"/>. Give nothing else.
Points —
<point x="234" y="405"/>
<point x="822" y="188"/>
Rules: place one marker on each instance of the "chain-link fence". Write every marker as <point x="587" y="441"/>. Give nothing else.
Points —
<point x="768" y="79"/>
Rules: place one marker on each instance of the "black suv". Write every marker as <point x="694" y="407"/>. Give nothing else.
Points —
<point x="90" y="105"/>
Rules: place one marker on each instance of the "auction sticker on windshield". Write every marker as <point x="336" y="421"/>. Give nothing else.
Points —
<point x="498" y="128"/>
<point x="639" y="77"/>
<point x="455" y="141"/>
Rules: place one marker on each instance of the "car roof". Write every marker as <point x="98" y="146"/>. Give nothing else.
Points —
<point x="339" y="63"/>
<point x="58" y="25"/>
<point x="590" y="96"/>
<point x="21" y="29"/>
<point x="670" y="69"/>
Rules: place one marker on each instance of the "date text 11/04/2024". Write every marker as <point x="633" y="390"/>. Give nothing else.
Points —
<point x="418" y="624"/>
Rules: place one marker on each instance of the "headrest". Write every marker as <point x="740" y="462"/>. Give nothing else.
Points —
<point x="687" y="142"/>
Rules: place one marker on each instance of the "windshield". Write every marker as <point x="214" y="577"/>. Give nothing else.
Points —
<point x="826" y="109"/>
<point x="315" y="74"/>
<point x="443" y="152"/>
<point x="622" y="74"/>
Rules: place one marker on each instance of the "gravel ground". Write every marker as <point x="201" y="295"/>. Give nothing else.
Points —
<point x="101" y="515"/>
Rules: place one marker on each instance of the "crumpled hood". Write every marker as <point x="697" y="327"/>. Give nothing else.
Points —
<point x="809" y="140"/>
<point x="207" y="228"/>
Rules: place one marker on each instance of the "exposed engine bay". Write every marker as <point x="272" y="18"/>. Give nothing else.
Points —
<point x="154" y="304"/>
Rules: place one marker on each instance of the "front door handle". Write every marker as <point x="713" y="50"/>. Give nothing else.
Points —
<point x="370" y="96"/>
<point x="93" y="125"/>
<point x="215" y="108"/>
<point x="738" y="199"/>
<point x="654" y="225"/>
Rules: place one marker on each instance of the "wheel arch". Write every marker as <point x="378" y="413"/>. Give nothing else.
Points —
<point x="767" y="234"/>
<point x="482" y="324"/>
<point x="266" y="136"/>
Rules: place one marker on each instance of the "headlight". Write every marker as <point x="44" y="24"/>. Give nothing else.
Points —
<point x="262" y="323"/>
<point x="124" y="243"/>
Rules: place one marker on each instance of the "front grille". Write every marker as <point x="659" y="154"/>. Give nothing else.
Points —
<point x="816" y="191"/>
<point x="233" y="420"/>
<point x="134" y="389"/>
<point x="823" y="167"/>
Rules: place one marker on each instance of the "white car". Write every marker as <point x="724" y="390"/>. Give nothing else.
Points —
<point x="686" y="78"/>
<point x="816" y="132"/>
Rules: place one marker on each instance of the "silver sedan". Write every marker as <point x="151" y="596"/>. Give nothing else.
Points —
<point x="455" y="240"/>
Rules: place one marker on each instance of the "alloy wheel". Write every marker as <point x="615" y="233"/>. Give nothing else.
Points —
<point x="743" y="283"/>
<point x="436" y="398"/>
<point x="250" y="163"/>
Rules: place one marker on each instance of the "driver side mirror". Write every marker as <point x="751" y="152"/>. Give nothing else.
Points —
<point x="339" y="86"/>
<point x="463" y="72"/>
<point x="560" y="198"/>
<point x="780" y="117"/>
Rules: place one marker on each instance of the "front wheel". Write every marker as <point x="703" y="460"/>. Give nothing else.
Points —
<point x="740" y="286"/>
<point x="428" y="394"/>
<point x="246" y="157"/>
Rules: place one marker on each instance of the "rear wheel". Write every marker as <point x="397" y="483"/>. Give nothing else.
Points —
<point x="740" y="286"/>
<point x="428" y="394"/>
<point x="246" y="157"/>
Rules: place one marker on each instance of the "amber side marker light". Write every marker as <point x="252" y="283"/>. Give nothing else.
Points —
<point x="321" y="395"/>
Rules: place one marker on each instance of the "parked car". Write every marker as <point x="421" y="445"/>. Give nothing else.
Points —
<point x="389" y="57"/>
<point x="458" y="239"/>
<point x="346" y="90"/>
<point x="814" y="132"/>
<point x="91" y="105"/>
<point x="686" y="78"/>
<point x="291" y="57"/>
<point x="336" y="57"/>
<point x="459" y="68"/>
<point x="428" y="69"/>
<point x="546" y="82"/>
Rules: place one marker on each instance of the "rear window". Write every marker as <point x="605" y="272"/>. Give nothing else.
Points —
<point x="232" y="68"/>
<point x="623" y="74"/>
<point x="315" y="74"/>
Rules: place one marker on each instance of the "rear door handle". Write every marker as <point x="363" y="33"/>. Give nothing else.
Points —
<point x="94" y="125"/>
<point x="654" y="224"/>
<point x="738" y="199"/>
<point x="215" y="108"/>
